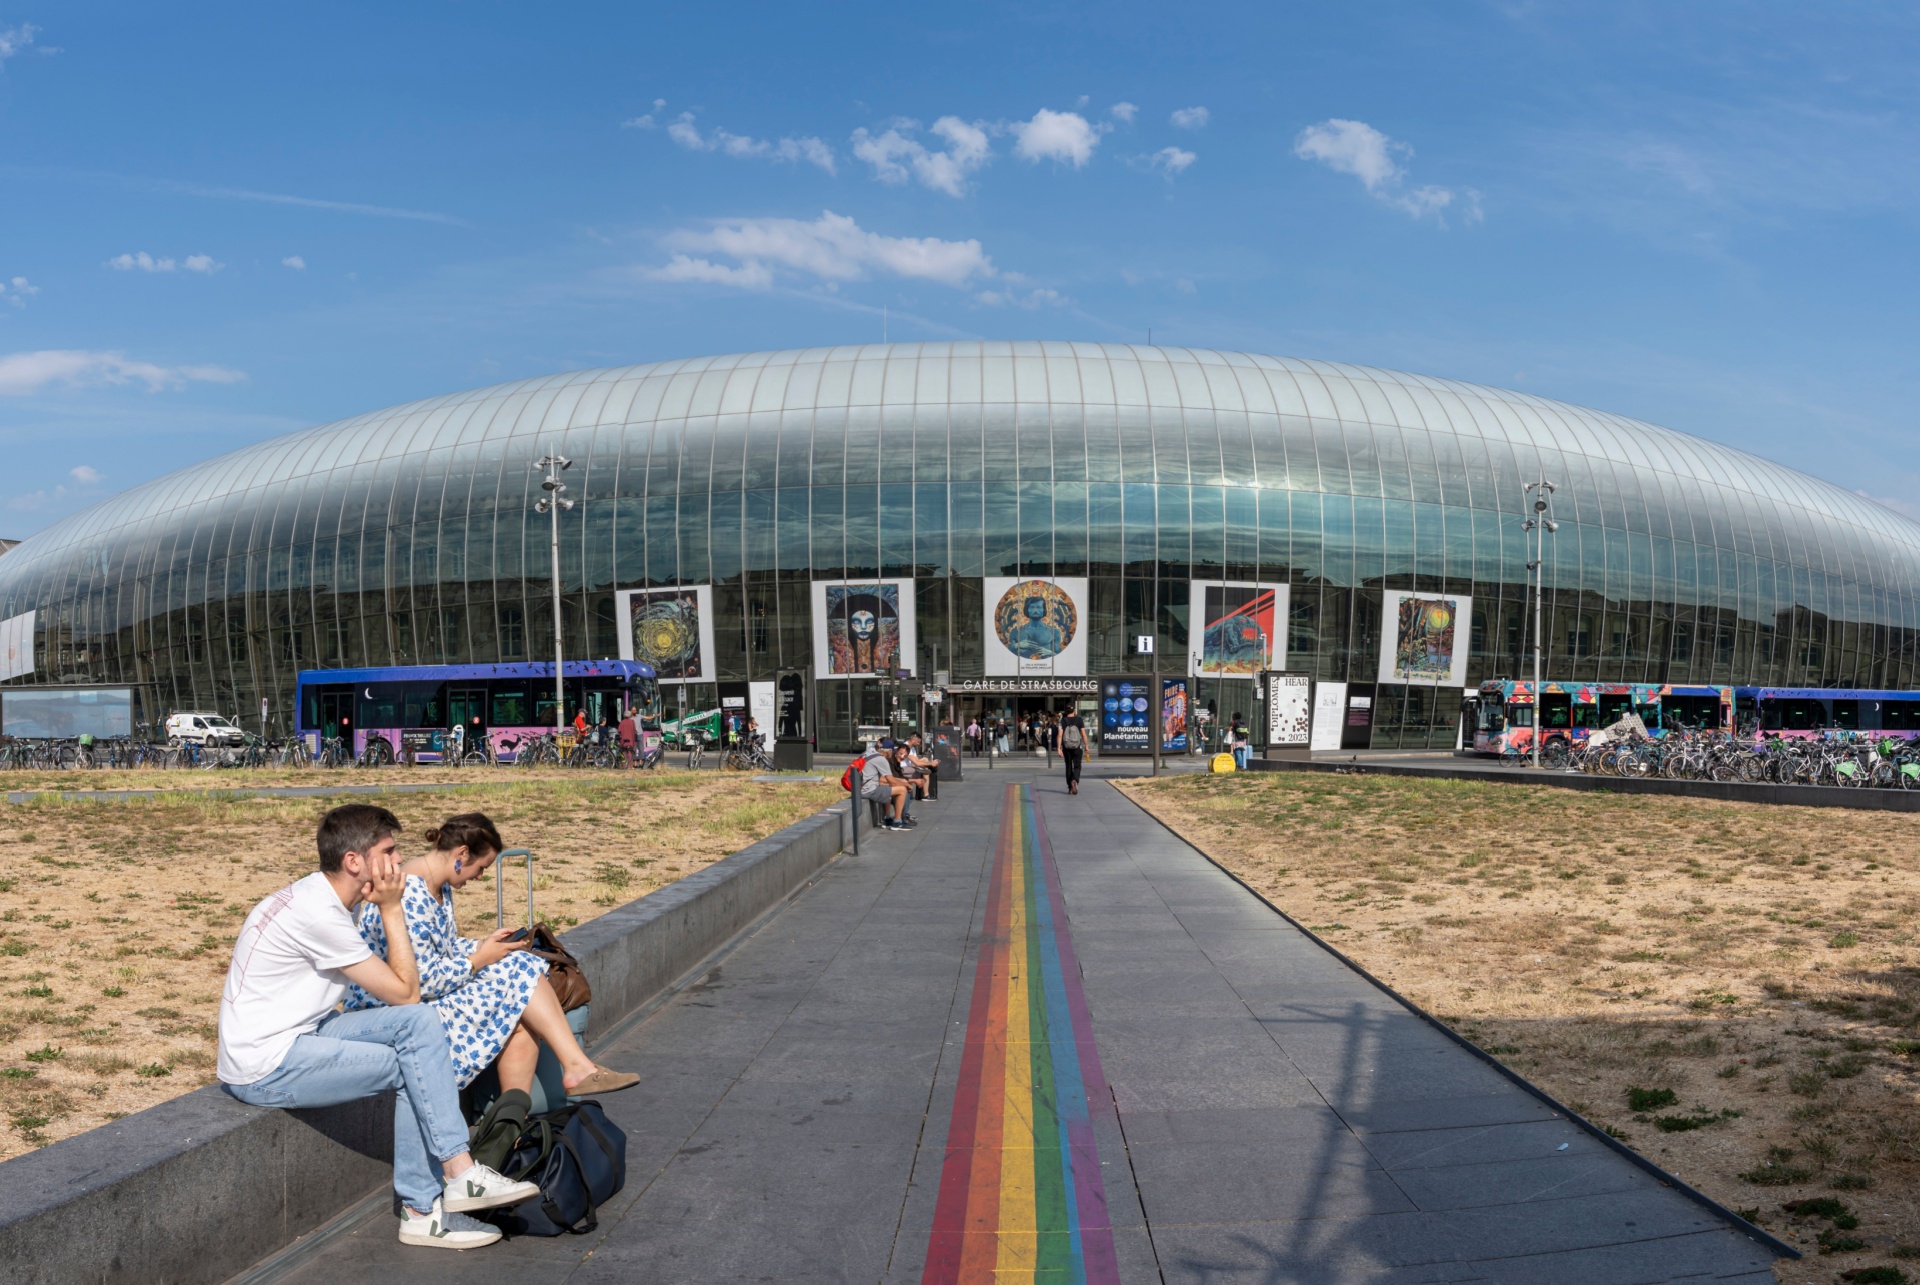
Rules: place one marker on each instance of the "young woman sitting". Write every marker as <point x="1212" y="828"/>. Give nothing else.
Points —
<point x="492" y="996"/>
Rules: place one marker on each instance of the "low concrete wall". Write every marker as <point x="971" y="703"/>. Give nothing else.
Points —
<point x="202" y="1187"/>
<point x="1805" y="796"/>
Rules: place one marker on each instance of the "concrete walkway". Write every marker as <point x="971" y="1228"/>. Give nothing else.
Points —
<point x="1039" y="1036"/>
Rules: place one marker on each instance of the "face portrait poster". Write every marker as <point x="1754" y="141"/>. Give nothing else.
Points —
<point x="862" y="628"/>
<point x="1424" y="638"/>
<point x="1036" y="628"/>
<point x="1238" y="629"/>
<point x="670" y="629"/>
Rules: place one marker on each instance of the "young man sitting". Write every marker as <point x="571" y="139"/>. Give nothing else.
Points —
<point x="880" y="785"/>
<point x="916" y="767"/>
<point x="283" y="1044"/>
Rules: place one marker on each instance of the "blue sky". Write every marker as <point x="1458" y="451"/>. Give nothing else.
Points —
<point x="223" y="222"/>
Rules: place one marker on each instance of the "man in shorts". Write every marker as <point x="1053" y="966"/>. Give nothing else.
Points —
<point x="879" y="784"/>
<point x="284" y="1044"/>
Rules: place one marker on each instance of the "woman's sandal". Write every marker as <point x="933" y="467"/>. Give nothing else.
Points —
<point x="603" y="1081"/>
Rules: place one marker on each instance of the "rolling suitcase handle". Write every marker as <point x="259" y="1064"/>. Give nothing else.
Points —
<point x="500" y="887"/>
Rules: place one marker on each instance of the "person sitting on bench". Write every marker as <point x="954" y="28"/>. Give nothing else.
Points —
<point x="283" y="1044"/>
<point x="878" y="784"/>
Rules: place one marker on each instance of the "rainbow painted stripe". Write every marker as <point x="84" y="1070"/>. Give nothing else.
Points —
<point x="1020" y="1190"/>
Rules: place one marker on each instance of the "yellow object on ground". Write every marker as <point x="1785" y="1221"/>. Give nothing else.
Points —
<point x="1222" y="763"/>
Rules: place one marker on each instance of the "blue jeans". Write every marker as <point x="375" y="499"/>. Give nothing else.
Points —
<point x="358" y="1054"/>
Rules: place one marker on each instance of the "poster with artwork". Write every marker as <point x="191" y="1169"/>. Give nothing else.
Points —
<point x="1036" y="627"/>
<point x="1237" y="629"/>
<point x="1175" y="712"/>
<point x="862" y="628"/>
<point x="1289" y="710"/>
<point x="1124" y="716"/>
<point x="1424" y="638"/>
<point x="670" y="629"/>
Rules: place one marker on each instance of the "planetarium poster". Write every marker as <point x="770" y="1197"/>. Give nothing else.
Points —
<point x="1239" y="629"/>
<point x="1424" y="638"/>
<point x="862" y="628"/>
<point x="1036" y="628"/>
<point x="670" y="629"/>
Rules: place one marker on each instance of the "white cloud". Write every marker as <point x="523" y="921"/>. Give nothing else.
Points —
<point x="202" y="263"/>
<point x="1065" y="137"/>
<point x="295" y="262"/>
<point x="85" y="474"/>
<point x="18" y="291"/>
<point x="1357" y="148"/>
<point x="832" y="248"/>
<point x="646" y="121"/>
<point x="811" y="150"/>
<point x="25" y="373"/>
<point x="1123" y="112"/>
<point x="16" y="40"/>
<point x="1173" y="160"/>
<point x="143" y="261"/>
<point x="1191" y="117"/>
<point x="1029" y="300"/>
<point x="895" y="156"/>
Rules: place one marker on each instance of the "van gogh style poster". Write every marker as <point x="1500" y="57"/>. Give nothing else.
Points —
<point x="1425" y="638"/>
<point x="670" y="629"/>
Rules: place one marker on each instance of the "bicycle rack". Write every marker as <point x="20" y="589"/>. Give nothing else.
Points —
<point x="500" y="886"/>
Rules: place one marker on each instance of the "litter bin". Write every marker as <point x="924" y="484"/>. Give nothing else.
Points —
<point x="792" y="754"/>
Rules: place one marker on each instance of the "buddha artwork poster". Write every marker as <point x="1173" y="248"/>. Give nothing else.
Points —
<point x="1036" y="626"/>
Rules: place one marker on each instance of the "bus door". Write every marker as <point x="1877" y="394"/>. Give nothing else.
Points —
<point x="467" y="707"/>
<point x="1556" y="713"/>
<point x="603" y="705"/>
<point x="336" y="713"/>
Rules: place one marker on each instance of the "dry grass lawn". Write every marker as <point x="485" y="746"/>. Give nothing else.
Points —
<point x="1731" y="989"/>
<point x="117" y="918"/>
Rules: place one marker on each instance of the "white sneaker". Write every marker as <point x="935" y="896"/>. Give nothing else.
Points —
<point x="438" y="1229"/>
<point x="478" y="1187"/>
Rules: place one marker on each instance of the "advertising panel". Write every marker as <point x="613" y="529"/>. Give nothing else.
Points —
<point x="1036" y="627"/>
<point x="670" y="629"/>
<point x="16" y="646"/>
<point x="1238" y="629"/>
<point x="1289" y="710"/>
<point x="1125" y="705"/>
<point x="1329" y="715"/>
<point x="1175" y="711"/>
<point x="1424" y="638"/>
<point x="862" y="628"/>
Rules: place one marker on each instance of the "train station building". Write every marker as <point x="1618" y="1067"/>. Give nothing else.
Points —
<point x="1002" y="521"/>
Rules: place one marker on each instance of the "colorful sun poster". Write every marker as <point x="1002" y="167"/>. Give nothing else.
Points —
<point x="1425" y="638"/>
<point x="1036" y="627"/>
<point x="670" y="629"/>
<point x="1236" y="629"/>
<point x="862" y="628"/>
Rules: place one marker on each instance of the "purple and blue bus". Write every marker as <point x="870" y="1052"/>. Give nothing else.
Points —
<point x="413" y="707"/>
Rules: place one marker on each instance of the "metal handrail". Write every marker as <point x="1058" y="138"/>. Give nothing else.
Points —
<point x="500" y="887"/>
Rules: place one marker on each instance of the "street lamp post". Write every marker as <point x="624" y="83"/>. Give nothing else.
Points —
<point x="1540" y="526"/>
<point x="551" y="503"/>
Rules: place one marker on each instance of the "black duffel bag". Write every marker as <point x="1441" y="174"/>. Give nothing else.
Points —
<point x="578" y="1158"/>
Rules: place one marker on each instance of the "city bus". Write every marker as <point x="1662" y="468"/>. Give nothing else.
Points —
<point x="411" y="707"/>
<point x="1808" y="711"/>
<point x="1503" y="712"/>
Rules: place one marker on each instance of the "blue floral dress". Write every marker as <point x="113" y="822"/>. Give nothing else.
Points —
<point x="479" y="1009"/>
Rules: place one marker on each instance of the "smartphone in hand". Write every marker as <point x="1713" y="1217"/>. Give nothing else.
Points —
<point x="518" y="934"/>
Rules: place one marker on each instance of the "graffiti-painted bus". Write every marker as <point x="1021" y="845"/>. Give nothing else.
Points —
<point x="412" y="707"/>
<point x="1504" y="713"/>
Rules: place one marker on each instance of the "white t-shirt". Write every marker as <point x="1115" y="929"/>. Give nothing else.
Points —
<point x="285" y="976"/>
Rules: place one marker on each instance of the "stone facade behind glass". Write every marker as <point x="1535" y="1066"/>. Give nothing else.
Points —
<point x="408" y="536"/>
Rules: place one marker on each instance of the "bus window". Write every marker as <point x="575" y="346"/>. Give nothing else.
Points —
<point x="379" y="705"/>
<point x="1901" y="716"/>
<point x="1520" y="715"/>
<point x="1611" y="709"/>
<point x="426" y="705"/>
<point x="1556" y="710"/>
<point x="1587" y="716"/>
<point x="646" y="702"/>
<point x="1846" y="714"/>
<point x="509" y="706"/>
<point x="543" y="712"/>
<point x="1770" y="716"/>
<point x="1650" y="715"/>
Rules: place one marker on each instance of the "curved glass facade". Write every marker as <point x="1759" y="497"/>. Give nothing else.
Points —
<point x="408" y="536"/>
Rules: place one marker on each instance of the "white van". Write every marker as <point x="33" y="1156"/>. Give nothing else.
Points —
<point x="207" y="729"/>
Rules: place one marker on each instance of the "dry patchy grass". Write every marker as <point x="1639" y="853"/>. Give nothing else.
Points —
<point x="117" y="918"/>
<point x="1757" y="964"/>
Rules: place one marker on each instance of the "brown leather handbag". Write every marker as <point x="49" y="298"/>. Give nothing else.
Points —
<point x="563" y="970"/>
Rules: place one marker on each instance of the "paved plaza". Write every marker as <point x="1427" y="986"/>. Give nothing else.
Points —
<point x="1040" y="1037"/>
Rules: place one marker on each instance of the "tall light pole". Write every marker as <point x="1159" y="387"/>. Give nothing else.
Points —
<point x="1540" y="526"/>
<point x="551" y="503"/>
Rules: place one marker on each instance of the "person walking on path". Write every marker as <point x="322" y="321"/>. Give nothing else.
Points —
<point x="973" y="736"/>
<point x="283" y="1044"/>
<point x="1073" y="748"/>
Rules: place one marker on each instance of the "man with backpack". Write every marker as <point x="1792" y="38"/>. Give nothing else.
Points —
<point x="1073" y="748"/>
<point x="283" y="1044"/>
